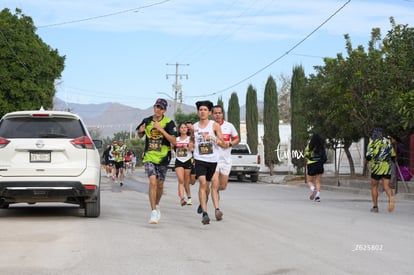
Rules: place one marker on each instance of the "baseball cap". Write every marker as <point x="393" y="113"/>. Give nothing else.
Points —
<point x="161" y="102"/>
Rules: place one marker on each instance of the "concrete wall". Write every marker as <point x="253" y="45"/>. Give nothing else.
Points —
<point x="335" y="157"/>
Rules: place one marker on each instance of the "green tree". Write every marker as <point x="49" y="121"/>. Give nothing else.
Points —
<point x="233" y="112"/>
<point x="28" y="66"/>
<point x="351" y="95"/>
<point x="252" y="119"/>
<point x="399" y="69"/>
<point x="182" y="118"/>
<point x="271" y="138"/>
<point x="299" y="133"/>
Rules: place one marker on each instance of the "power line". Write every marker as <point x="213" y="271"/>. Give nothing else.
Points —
<point x="105" y="15"/>
<point x="280" y="57"/>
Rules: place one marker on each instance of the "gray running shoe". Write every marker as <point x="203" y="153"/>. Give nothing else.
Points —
<point x="374" y="209"/>
<point x="219" y="215"/>
<point x="205" y="219"/>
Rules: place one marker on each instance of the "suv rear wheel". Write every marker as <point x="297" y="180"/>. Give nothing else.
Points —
<point x="93" y="209"/>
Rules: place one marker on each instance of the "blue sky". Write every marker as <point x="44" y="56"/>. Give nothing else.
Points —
<point x="118" y="50"/>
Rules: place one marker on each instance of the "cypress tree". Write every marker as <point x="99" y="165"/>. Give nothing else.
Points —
<point x="233" y="113"/>
<point x="271" y="138"/>
<point x="221" y="103"/>
<point x="298" y="123"/>
<point x="252" y="119"/>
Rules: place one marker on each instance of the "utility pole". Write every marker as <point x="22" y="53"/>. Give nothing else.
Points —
<point x="178" y="93"/>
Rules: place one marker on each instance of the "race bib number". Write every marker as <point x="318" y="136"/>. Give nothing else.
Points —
<point x="205" y="148"/>
<point x="155" y="140"/>
<point x="181" y="152"/>
<point x="154" y="145"/>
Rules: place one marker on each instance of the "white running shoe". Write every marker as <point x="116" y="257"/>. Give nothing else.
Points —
<point x="158" y="212"/>
<point x="153" y="219"/>
<point x="189" y="202"/>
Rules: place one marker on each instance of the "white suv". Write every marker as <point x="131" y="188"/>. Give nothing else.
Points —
<point x="48" y="156"/>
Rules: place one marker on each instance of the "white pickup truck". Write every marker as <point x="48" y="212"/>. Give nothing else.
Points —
<point x="244" y="163"/>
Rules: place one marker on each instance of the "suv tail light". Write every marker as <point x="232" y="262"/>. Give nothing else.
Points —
<point x="258" y="159"/>
<point x="3" y="142"/>
<point x="83" y="143"/>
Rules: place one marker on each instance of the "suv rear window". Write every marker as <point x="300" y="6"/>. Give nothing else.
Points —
<point x="28" y="127"/>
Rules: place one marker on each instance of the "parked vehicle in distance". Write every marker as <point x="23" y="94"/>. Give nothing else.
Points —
<point x="244" y="163"/>
<point x="49" y="156"/>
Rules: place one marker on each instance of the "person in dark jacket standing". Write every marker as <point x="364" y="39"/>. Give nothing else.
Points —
<point x="380" y="154"/>
<point x="316" y="156"/>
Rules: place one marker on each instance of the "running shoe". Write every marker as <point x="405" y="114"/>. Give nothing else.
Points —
<point x="313" y="195"/>
<point x="121" y="184"/>
<point x="205" y="219"/>
<point x="199" y="209"/>
<point x="158" y="212"/>
<point x="189" y="202"/>
<point x="153" y="219"/>
<point x="219" y="215"/>
<point x="374" y="209"/>
<point x="183" y="202"/>
<point x="317" y="199"/>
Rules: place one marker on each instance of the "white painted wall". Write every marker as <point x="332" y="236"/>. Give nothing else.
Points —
<point x="285" y="154"/>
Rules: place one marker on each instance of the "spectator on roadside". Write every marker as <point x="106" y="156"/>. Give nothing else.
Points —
<point x="316" y="157"/>
<point x="380" y="154"/>
<point x="160" y="134"/>
<point x="399" y="150"/>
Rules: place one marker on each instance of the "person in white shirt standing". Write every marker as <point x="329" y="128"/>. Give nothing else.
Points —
<point x="221" y="176"/>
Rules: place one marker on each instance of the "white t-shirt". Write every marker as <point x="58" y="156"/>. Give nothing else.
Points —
<point x="181" y="150"/>
<point x="205" y="148"/>
<point x="228" y="132"/>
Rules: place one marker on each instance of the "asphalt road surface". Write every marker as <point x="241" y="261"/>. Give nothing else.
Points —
<point x="266" y="229"/>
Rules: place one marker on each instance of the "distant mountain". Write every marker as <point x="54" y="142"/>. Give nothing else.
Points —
<point x="111" y="118"/>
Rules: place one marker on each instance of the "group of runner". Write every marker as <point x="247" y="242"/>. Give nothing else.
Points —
<point x="204" y="146"/>
<point x="118" y="159"/>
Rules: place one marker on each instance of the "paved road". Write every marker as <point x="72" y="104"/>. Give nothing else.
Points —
<point x="266" y="229"/>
